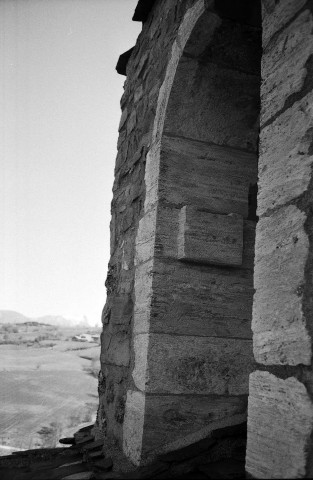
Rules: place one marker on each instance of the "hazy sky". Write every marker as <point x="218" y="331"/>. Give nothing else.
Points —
<point x="59" y="117"/>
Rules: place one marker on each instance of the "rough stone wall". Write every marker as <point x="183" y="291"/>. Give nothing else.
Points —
<point x="191" y="331"/>
<point x="145" y="72"/>
<point x="280" y="413"/>
<point x="176" y="341"/>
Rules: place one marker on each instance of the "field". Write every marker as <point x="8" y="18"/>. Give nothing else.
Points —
<point x="48" y="384"/>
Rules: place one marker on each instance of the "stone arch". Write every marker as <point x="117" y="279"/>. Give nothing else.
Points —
<point x="192" y="393"/>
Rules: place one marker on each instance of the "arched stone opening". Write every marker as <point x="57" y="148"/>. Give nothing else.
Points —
<point x="195" y="242"/>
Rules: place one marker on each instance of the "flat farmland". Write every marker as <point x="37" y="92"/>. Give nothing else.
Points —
<point x="48" y="389"/>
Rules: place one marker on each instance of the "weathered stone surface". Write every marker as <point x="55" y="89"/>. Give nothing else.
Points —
<point x="151" y="177"/>
<point x="162" y="242"/>
<point x="284" y="65"/>
<point x="226" y="42"/>
<point x="64" y="471"/>
<point x="206" y="176"/>
<point x="189" y="20"/>
<point x="175" y="421"/>
<point x="145" y="240"/>
<point x="116" y="349"/>
<point x="133" y="425"/>
<point x="285" y="156"/>
<point x="143" y="296"/>
<point x="210" y="238"/>
<point x="279" y="327"/>
<point x="188" y="452"/>
<point x="121" y="310"/>
<point x="147" y="91"/>
<point x="87" y="428"/>
<point x="202" y="35"/>
<point x="280" y="422"/>
<point x="131" y="122"/>
<point x="123" y="118"/>
<point x="105" y="464"/>
<point x="94" y="455"/>
<point x="190" y="419"/>
<point x="225" y="112"/>
<point x="79" y="476"/>
<point x="277" y="14"/>
<point x="83" y="438"/>
<point x="188" y="364"/>
<point x="166" y="238"/>
<point x="194" y="300"/>
<point x="93" y="445"/>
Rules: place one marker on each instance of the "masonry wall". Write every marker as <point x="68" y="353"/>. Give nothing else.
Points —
<point x="280" y="414"/>
<point x="145" y="72"/>
<point x="195" y="243"/>
<point x="176" y="342"/>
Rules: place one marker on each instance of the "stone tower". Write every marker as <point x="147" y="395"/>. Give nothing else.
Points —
<point x="209" y="310"/>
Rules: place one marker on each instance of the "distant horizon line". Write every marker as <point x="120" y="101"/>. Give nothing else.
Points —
<point x="79" y="321"/>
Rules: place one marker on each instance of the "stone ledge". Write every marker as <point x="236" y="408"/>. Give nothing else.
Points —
<point x="221" y="454"/>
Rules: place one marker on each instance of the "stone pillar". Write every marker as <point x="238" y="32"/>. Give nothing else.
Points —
<point x="195" y="241"/>
<point x="177" y="339"/>
<point x="280" y="412"/>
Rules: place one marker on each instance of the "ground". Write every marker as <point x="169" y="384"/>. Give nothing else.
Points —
<point x="48" y="384"/>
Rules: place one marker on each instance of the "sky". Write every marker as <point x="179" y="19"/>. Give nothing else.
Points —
<point x="59" y="119"/>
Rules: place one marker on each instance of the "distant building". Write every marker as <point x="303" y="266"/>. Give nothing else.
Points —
<point x="86" y="337"/>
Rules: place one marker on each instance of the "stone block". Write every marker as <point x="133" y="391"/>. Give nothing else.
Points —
<point x="280" y="422"/>
<point x="225" y="112"/>
<point x="138" y="93"/>
<point x="190" y="19"/>
<point x="233" y="44"/>
<point x="210" y="238"/>
<point x="176" y="364"/>
<point x="151" y="178"/>
<point x="128" y="218"/>
<point x="174" y="422"/>
<point x="133" y="425"/>
<point x="285" y="156"/>
<point x="279" y="326"/>
<point x="121" y="310"/>
<point x="202" y="35"/>
<point x="131" y="122"/>
<point x="143" y="296"/>
<point x="156" y="424"/>
<point x="211" y="177"/>
<point x="284" y="66"/>
<point x="116" y="349"/>
<point x="166" y="244"/>
<point x="276" y="15"/>
<point x="145" y="239"/>
<point x="126" y="280"/>
<point x="193" y="300"/>
<point x="165" y="237"/>
<point x="123" y="119"/>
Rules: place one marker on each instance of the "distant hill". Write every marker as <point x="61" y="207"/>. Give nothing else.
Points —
<point x="10" y="316"/>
